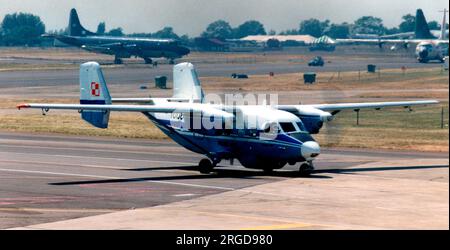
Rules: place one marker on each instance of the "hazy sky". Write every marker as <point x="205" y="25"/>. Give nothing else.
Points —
<point x="192" y="16"/>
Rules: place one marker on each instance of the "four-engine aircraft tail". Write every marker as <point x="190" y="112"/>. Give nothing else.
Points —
<point x="422" y="31"/>
<point x="75" y="27"/>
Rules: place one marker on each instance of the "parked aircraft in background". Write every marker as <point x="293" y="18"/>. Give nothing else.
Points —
<point x="428" y="46"/>
<point x="120" y="47"/>
<point x="259" y="136"/>
<point x="422" y="30"/>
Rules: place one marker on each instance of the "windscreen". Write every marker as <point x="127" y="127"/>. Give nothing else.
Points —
<point x="288" y="127"/>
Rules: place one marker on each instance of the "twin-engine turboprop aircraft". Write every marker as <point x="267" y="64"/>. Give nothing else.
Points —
<point x="259" y="136"/>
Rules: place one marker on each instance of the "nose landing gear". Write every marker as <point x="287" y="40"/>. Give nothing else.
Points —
<point x="306" y="169"/>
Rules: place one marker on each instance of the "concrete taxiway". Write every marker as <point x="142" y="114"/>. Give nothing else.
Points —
<point x="66" y="182"/>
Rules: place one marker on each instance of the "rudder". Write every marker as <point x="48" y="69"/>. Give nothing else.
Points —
<point x="93" y="91"/>
<point x="75" y="27"/>
<point x="186" y="84"/>
<point x="422" y="31"/>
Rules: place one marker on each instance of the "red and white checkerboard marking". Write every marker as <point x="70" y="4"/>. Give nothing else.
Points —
<point x="95" y="89"/>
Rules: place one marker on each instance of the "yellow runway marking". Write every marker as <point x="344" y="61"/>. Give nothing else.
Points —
<point x="278" y="227"/>
<point x="287" y="224"/>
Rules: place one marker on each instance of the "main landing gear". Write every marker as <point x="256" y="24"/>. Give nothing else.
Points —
<point x="306" y="169"/>
<point x="206" y="166"/>
<point x="118" y="60"/>
<point x="148" y="61"/>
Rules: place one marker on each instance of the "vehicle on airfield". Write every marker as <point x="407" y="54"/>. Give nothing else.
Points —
<point x="263" y="137"/>
<point x="317" y="62"/>
<point x="120" y="47"/>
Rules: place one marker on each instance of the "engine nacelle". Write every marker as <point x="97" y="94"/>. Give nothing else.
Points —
<point x="313" y="118"/>
<point x="312" y="124"/>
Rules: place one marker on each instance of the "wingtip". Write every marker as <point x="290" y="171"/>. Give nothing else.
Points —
<point x="23" y="106"/>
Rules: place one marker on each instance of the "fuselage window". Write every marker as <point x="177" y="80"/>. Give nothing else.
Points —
<point x="288" y="127"/>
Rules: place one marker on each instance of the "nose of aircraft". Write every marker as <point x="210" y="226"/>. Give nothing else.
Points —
<point x="310" y="149"/>
<point x="423" y="52"/>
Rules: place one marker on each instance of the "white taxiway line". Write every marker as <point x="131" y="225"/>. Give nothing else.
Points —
<point x="92" y="149"/>
<point x="101" y="158"/>
<point x="115" y="178"/>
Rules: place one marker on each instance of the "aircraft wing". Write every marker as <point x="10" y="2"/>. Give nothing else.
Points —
<point x="369" y="105"/>
<point x="326" y="112"/>
<point x="148" y="100"/>
<point x="383" y="40"/>
<point x="191" y="107"/>
<point x="173" y="108"/>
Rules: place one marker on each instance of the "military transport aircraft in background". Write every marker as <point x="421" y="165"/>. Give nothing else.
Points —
<point x="430" y="44"/>
<point x="259" y="136"/>
<point x="120" y="47"/>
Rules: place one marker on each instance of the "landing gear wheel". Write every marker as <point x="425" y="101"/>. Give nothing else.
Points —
<point x="171" y="61"/>
<point x="117" y="60"/>
<point x="205" y="166"/>
<point x="306" y="169"/>
<point x="148" y="60"/>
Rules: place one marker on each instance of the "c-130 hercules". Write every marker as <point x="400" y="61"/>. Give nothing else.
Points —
<point x="120" y="47"/>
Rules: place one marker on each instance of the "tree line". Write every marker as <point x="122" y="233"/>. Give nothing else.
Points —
<point x="25" y="29"/>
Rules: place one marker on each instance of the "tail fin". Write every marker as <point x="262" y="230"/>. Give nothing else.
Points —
<point x="93" y="90"/>
<point x="186" y="84"/>
<point x="422" y="31"/>
<point x="75" y="27"/>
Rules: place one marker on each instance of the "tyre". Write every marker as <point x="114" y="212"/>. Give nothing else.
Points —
<point x="118" y="61"/>
<point x="205" y="166"/>
<point x="305" y="170"/>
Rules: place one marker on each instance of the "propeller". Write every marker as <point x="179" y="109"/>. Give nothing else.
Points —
<point x="331" y="133"/>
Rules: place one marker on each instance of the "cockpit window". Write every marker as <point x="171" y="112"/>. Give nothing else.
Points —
<point x="272" y="129"/>
<point x="288" y="127"/>
<point x="301" y="126"/>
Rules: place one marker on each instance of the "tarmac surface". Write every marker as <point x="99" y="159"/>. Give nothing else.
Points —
<point x="143" y="74"/>
<point x="67" y="182"/>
